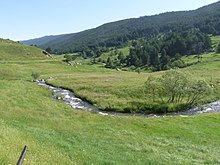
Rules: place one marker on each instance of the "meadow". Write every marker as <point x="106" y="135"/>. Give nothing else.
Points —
<point x="112" y="90"/>
<point x="57" y="134"/>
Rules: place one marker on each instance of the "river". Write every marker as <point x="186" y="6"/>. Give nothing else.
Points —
<point x="69" y="98"/>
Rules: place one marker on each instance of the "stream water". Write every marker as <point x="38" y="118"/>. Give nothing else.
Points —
<point x="69" y="98"/>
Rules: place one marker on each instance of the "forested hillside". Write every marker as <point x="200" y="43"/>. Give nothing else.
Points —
<point x="205" y="19"/>
<point x="165" y="51"/>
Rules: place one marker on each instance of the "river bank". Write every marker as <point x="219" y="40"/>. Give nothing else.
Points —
<point x="75" y="102"/>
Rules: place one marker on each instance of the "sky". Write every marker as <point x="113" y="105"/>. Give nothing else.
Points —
<point x="28" y="19"/>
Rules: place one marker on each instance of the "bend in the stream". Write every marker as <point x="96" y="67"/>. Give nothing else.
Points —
<point x="75" y="102"/>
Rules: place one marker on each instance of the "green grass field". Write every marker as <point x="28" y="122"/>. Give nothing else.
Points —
<point x="11" y="50"/>
<point x="58" y="134"/>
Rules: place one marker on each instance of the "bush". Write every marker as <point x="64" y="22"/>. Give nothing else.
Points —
<point x="69" y="57"/>
<point x="176" y="89"/>
<point x="218" y="49"/>
<point x="35" y="75"/>
<point x="178" y="64"/>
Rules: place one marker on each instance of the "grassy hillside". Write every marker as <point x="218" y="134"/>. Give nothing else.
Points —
<point x="57" y="134"/>
<point x="10" y="50"/>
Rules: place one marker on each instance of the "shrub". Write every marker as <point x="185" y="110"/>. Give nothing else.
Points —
<point x="218" y="49"/>
<point x="35" y="75"/>
<point x="176" y="89"/>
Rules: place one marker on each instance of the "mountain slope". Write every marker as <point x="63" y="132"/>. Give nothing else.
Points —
<point x="43" y="40"/>
<point x="11" y="50"/>
<point x="207" y="19"/>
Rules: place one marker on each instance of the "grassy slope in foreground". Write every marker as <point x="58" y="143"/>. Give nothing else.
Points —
<point x="11" y="50"/>
<point x="56" y="134"/>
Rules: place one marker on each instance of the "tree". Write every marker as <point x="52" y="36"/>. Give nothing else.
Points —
<point x="154" y="57"/>
<point x="176" y="88"/>
<point x="121" y="57"/>
<point x="109" y="63"/>
<point x="132" y="58"/>
<point x="69" y="57"/>
<point x="152" y="87"/>
<point x="196" y="91"/>
<point x="174" y="84"/>
<point x="35" y="75"/>
<point x="138" y="70"/>
<point x="199" y="47"/>
<point x="164" y="59"/>
<point x="49" y="50"/>
<point x="145" y="58"/>
<point x="218" y="49"/>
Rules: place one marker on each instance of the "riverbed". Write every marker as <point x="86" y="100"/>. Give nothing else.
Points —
<point x="75" y="102"/>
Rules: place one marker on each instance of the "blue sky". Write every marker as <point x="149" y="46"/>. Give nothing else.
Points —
<point x="26" y="19"/>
